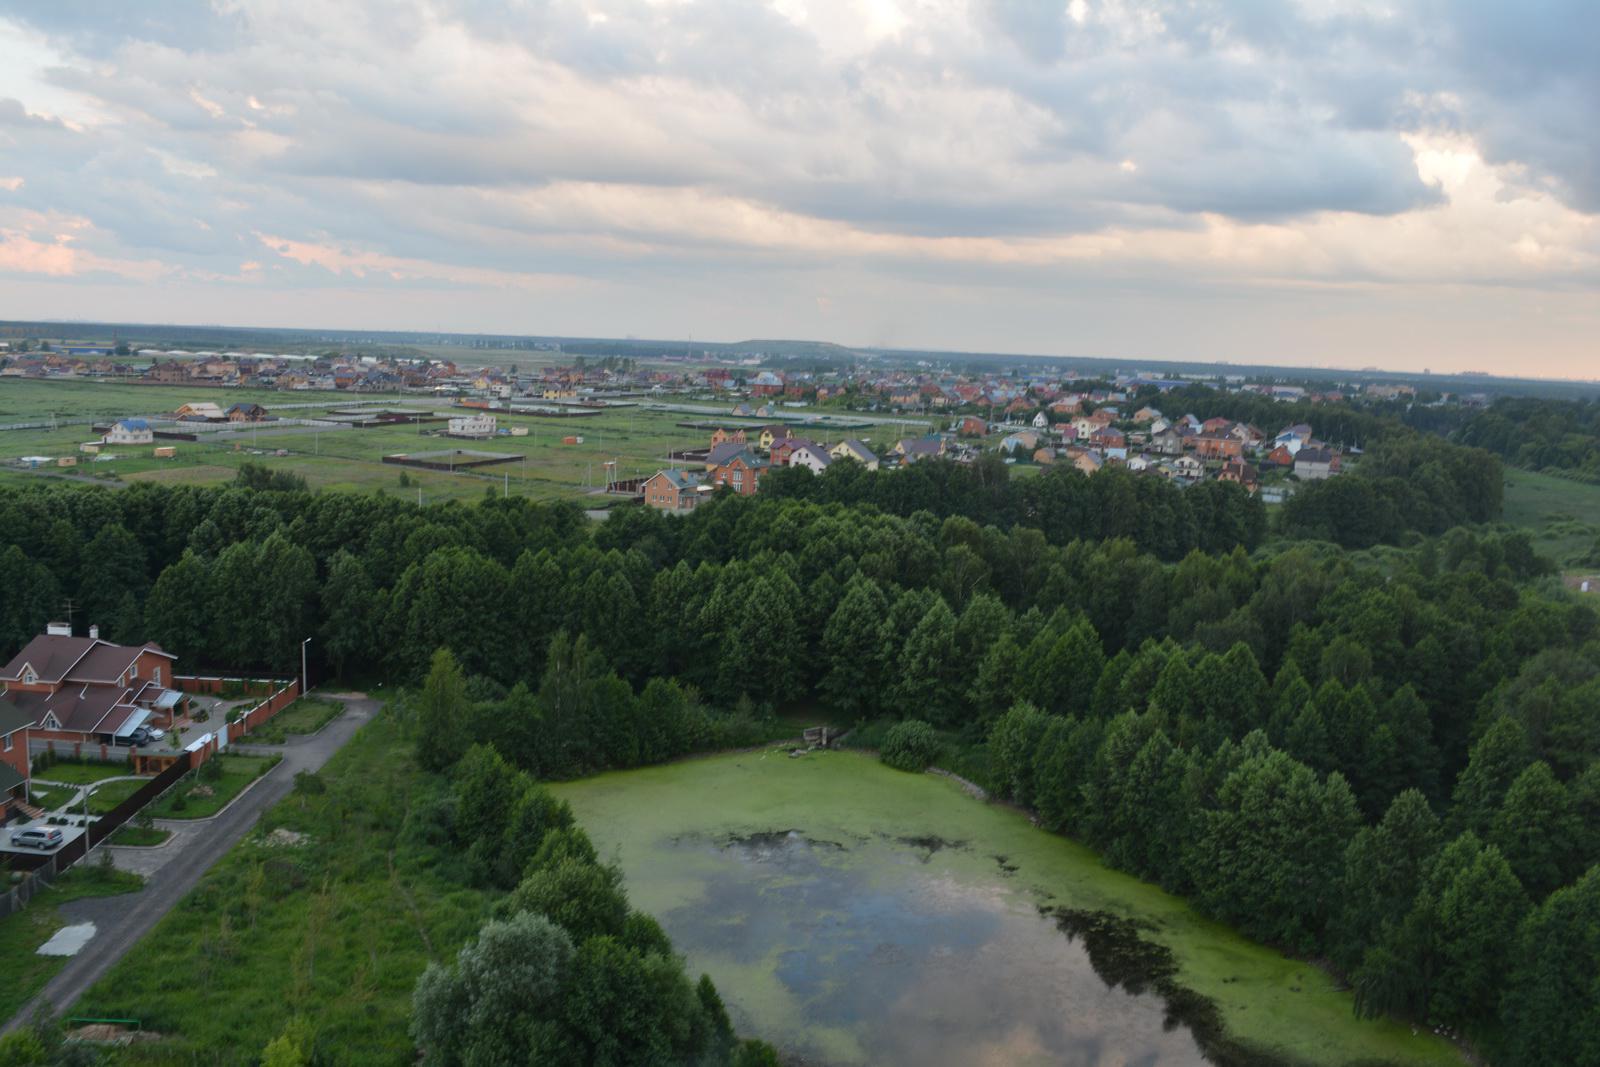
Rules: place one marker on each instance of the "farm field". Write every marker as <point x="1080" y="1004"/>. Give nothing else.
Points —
<point x="635" y="440"/>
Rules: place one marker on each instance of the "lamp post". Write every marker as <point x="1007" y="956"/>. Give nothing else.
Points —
<point x="304" y="678"/>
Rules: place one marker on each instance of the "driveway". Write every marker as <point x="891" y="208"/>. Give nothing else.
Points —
<point x="121" y="921"/>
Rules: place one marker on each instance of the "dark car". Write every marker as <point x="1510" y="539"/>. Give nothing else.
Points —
<point x="40" y="837"/>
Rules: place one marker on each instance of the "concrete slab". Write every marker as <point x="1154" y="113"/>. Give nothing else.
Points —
<point x="68" y="940"/>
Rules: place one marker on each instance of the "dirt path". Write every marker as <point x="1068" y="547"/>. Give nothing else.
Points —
<point x="122" y="920"/>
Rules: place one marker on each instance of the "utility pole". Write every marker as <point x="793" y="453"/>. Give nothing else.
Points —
<point x="304" y="677"/>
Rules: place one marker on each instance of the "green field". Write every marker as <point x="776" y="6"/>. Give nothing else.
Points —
<point x="1564" y="515"/>
<point x="636" y="441"/>
<point x="305" y="716"/>
<point x="140" y="837"/>
<point x="333" y="927"/>
<point x="85" y="772"/>
<point x="48" y="797"/>
<point x="108" y="796"/>
<point x="194" y="797"/>
<point x="1286" y="1007"/>
<point x="21" y="933"/>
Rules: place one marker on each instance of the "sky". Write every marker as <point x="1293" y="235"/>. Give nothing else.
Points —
<point x="1407" y="184"/>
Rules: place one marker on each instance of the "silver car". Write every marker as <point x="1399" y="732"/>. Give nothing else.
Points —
<point x="40" y="837"/>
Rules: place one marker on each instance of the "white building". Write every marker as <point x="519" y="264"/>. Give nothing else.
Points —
<point x="477" y="425"/>
<point x="811" y="457"/>
<point x="129" y="432"/>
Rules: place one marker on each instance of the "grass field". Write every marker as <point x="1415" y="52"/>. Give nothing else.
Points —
<point x="333" y="929"/>
<point x="305" y="716"/>
<point x="1564" y="515"/>
<point x="83" y="773"/>
<point x="636" y="441"/>
<point x="108" y="796"/>
<point x="48" y="797"/>
<point x="195" y="797"/>
<point x="21" y="933"/>
<point x="139" y="836"/>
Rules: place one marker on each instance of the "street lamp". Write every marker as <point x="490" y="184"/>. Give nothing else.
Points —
<point x="304" y="678"/>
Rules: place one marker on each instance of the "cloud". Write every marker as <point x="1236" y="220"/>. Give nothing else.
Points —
<point x="651" y="149"/>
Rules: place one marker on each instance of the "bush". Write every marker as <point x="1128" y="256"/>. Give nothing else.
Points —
<point x="910" y="746"/>
<point x="210" y="770"/>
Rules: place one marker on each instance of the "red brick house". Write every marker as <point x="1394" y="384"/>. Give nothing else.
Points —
<point x="1218" y="446"/>
<point x="972" y="426"/>
<point x="14" y="762"/>
<point x="675" y="491"/>
<point x="85" y="691"/>
<point x="1237" y="470"/>
<point x="742" y="473"/>
<point x="785" y="447"/>
<point x="720" y="436"/>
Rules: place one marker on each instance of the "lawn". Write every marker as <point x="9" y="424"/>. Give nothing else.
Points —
<point x="108" y="796"/>
<point x="333" y="928"/>
<point x="1564" y="515"/>
<point x="21" y="933"/>
<point x="197" y="795"/>
<point x="140" y="836"/>
<point x="49" y="797"/>
<point x="82" y="772"/>
<point x="305" y="716"/>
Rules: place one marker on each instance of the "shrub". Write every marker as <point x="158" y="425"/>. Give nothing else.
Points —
<point x="210" y="770"/>
<point x="910" y="746"/>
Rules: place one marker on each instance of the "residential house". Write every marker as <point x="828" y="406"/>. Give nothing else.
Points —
<point x="477" y="425"/>
<point x="911" y="449"/>
<point x="723" y="452"/>
<point x="1216" y="425"/>
<point x="772" y="434"/>
<point x="15" y="763"/>
<point x="1041" y="421"/>
<point x="1280" y="457"/>
<point x="742" y="473"/>
<point x="1247" y="433"/>
<point x="1240" y="473"/>
<point x="812" y="457"/>
<point x="129" y="432"/>
<point x="1085" y="461"/>
<point x="202" y="410"/>
<point x="721" y="436"/>
<point x="1146" y="414"/>
<point x="1218" y="445"/>
<point x="1044" y="456"/>
<point x="1315" y="464"/>
<point x="783" y="448"/>
<point x="1108" y="437"/>
<point x="1293" y="437"/>
<point x="1187" y="467"/>
<point x="1168" y="442"/>
<point x="675" y="491"/>
<point x="170" y="372"/>
<point x="766" y="384"/>
<point x="85" y="691"/>
<point x="1025" y="441"/>
<point x="972" y="426"/>
<point x="246" y="413"/>
<point x="850" y="448"/>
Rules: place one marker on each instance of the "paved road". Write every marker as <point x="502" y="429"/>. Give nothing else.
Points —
<point x="121" y="921"/>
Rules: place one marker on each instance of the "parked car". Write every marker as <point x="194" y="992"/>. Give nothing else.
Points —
<point x="156" y="733"/>
<point x="40" y="837"/>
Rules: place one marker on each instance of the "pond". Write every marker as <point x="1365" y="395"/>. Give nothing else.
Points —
<point x="851" y="914"/>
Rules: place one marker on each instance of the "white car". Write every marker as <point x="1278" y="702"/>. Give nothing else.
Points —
<point x="157" y="733"/>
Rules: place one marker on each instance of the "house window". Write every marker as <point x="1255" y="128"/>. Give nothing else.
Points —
<point x="8" y="743"/>
<point x="28" y="677"/>
<point x="738" y="479"/>
<point x="156" y="675"/>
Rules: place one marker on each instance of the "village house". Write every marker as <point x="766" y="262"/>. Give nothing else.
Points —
<point x="812" y="457"/>
<point x="1085" y="461"/>
<point x="1315" y="464"/>
<point x="850" y="448"/>
<point x="674" y="491"/>
<point x="971" y="426"/>
<point x="204" y="410"/>
<point x="911" y="449"/>
<point x="772" y="434"/>
<point x="1217" y="445"/>
<point x="783" y="448"/>
<point x="15" y="763"/>
<point x="82" y="691"/>
<point x="766" y="384"/>
<point x="246" y="413"/>
<point x="1280" y="457"/>
<point x="1187" y="467"/>
<point x="129" y="432"/>
<point x="1240" y="473"/>
<point x="741" y="473"/>
<point x="477" y="425"/>
<point x="722" y="436"/>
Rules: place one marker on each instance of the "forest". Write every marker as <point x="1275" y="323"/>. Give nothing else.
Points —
<point x="1544" y="435"/>
<point x="1383" y="758"/>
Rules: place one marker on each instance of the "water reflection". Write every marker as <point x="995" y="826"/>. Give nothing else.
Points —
<point x="872" y="952"/>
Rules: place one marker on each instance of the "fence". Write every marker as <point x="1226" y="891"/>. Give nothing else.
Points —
<point x="50" y="864"/>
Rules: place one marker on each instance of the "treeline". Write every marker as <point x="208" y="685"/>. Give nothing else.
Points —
<point x="1541" y="435"/>
<point x="1062" y="503"/>
<point x="566" y="972"/>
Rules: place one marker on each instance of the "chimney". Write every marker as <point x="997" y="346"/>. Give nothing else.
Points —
<point x="58" y="629"/>
<point x="94" y="633"/>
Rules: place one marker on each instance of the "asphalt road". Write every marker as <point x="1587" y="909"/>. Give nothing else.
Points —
<point x="122" y="920"/>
